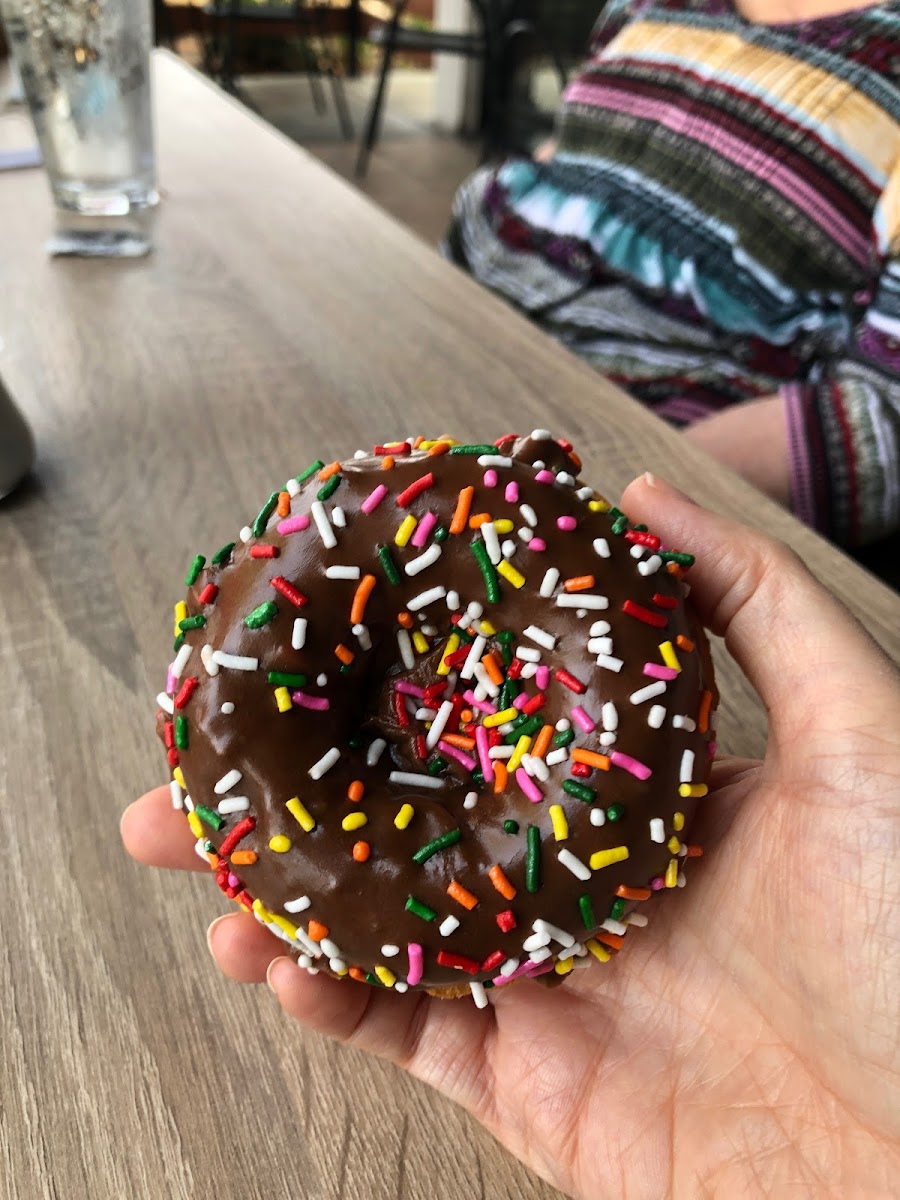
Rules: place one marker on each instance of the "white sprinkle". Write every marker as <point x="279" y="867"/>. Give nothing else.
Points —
<point x="608" y="737"/>
<point x="227" y="708"/>
<point x="425" y="714"/>
<point x="585" y="493"/>
<point x="406" y="650"/>
<point x="601" y="545"/>
<point x="527" y="654"/>
<point x="237" y="662"/>
<point x="321" y="680"/>
<point x="528" y="514"/>
<point x="448" y="925"/>
<point x="329" y="947"/>
<point x="580" y="612"/>
<point x="637" y="918"/>
<point x="312" y="970"/>
<point x="539" y="956"/>
<point x="337" y="965"/>
<point x="471" y="799"/>
<point x="479" y="995"/>
<point x="610" y="663"/>
<point x="320" y="516"/>
<point x="428" y="630"/>
<point x="714" y="721"/>
<point x="575" y="951"/>
<point x="298" y="636"/>
<point x="181" y="661"/>
<point x="438" y="725"/>
<point x="563" y="724"/>
<point x="539" y="464"/>
<point x="685" y="589"/>
<point x="600" y="645"/>
<point x="538" y="769"/>
<point x="505" y="728"/>
<point x="656" y="716"/>
<point x="558" y="935"/>
<point x="206" y="657"/>
<point x="293" y="488"/>
<point x="427" y="559"/>
<point x="401" y="986"/>
<point x="297" y="906"/>
<point x="200" y="851"/>
<point x="390" y="950"/>
<point x="687" y="767"/>
<point x="541" y="435"/>
<point x="325" y="763"/>
<point x="657" y="830"/>
<point x="480" y="692"/>
<point x="410" y="779"/>
<point x="575" y="865"/>
<point x="508" y="967"/>
<point x="525" y="534"/>
<point x="535" y="941"/>
<point x="227" y="782"/>
<point x="609" y="716"/>
<point x="637" y="551"/>
<point x="681" y="879"/>
<point x="166" y="703"/>
<point x="501" y="751"/>
<point x="494" y="460"/>
<point x="232" y="804"/>
<point x="485" y="681"/>
<point x="684" y="723"/>
<point x="474" y="611"/>
<point x="375" y="751"/>
<point x="362" y="635"/>
<point x="492" y="542"/>
<point x="177" y="794"/>
<point x="541" y="636"/>
<point x="598" y="817"/>
<point x="307" y="943"/>
<point x="338" y="517"/>
<point x="650" y="692"/>
<point x="453" y="601"/>
<point x="581" y="600"/>
<point x="528" y="671"/>
<point x="188" y="803"/>
<point x="361" y="454"/>
<point x="509" y="548"/>
<point x="305" y="961"/>
<point x="549" y="582"/>
<point x="425" y="598"/>
<point x="651" y="566"/>
<point x="555" y="757"/>
<point x="246" y="534"/>
<point x="474" y="656"/>
<point x="612" y="926"/>
<point x="342" y="572"/>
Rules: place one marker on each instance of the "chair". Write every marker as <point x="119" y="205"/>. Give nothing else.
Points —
<point x="231" y="18"/>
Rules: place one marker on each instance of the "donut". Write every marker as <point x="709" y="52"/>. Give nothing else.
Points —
<point x="441" y="717"/>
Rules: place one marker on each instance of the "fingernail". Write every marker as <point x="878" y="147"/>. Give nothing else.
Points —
<point x="658" y="484"/>
<point x="209" y="932"/>
<point x="272" y="965"/>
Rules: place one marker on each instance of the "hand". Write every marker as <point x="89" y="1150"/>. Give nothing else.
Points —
<point x="746" y="1043"/>
<point x="752" y="439"/>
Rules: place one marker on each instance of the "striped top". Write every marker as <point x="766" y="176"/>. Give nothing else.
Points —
<point x="721" y="221"/>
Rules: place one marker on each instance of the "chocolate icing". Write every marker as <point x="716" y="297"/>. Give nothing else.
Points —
<point x="362" y="904"/>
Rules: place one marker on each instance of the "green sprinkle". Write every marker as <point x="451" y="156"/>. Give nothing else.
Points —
<point x="511" y="826"/>
<point x="345" y="668"/>
<point x="523" y="728"/>
<point x="192" y="623"/>
<point x="464" y="635"/>
<point x="488" y="983"/>
<point x="505" y="637"/>
<point x="506" y="654"/>
<point x="487" y="570"/>
<point x="441" y="533"/>
<point x="641" y="529"/>
<point x="579" y="790"/>
<point x="286" y="679"/>
<point x="615" y="812"/>
<point x="478" y="778"/>
<point x="194" y="570"/>
<point x="209" y="817"/>
<point x="677" y="556"/>
<point x="421" y="910"/>
<point x="310" y="471"/>
<point x="181" y="733"/>
<point x="564" y="738"/>
<point x="261" y="616"/>
<point x="620" y="524"/>
<point x="436" y="765"/>
<point x="508" y="693"/>
<point x="222" y="555"/>
<point x="617" y="909"/>
<point x="473" y="449"/>
<point x="329" y="487"/>
<point x="444" y="842"/>
<point x="388" y="565"/>
<point x="615" y="512"/>
<point x="587" y="912"/>
<point x="179" y="642"/>
<point x="262" y="518"/>
<point x="533" y="860"/>
<point x="373" y="979"/>
<point x="354" y="743"/>
<point x="208" y="846"/>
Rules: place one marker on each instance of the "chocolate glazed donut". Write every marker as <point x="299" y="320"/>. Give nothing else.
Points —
<point x="442" y="716"/>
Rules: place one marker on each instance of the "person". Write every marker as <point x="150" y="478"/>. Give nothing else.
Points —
<point x="747" y="1042"/>
<point x="716" y="230"/>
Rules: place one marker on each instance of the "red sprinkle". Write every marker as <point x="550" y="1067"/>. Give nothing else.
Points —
<point x="187" y="690"/>
<point x="400" y="710"/>
<point x="534" y="704"/>
<point x="264" y="551"/>
<point x="209" y="593"/>
<point x="493" y="960"/>
<point x="506" y="920"/>
<point x="459" y="961"/>
<point x="280" y="584"/>
<point x="172" y="757"/>
<point x="244" y="898"/>
<point x="643" y="539"/>
<point x="399" y="448"/>
<point x="581" y="770"/>
<point x="569" y="681"/>
<point x="515" y="669"/>
<point x="421" y="747"/>
<point x="657" y="620"/>
<point x="169" y="734"/>
<point x="662" y="601"/>
<point x="416" y="488"/>
<point x="240" y="831"/>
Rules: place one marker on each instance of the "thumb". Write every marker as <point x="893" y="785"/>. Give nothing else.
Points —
<point x="798" y="646"/>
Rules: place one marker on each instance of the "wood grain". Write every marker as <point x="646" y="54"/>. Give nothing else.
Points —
<point x="281" y="317"/>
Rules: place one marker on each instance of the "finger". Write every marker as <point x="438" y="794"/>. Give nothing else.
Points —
<point x="242" y="948"/>
<point x="157" y="834"/>
<point x="793" y="640"/>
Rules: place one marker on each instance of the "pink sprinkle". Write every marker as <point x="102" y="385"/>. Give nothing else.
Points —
<point x="409" y="689"/>
<point x="293" y="524"/>
<point x="483" y="746"/>
<point x="542" y="678"/>
<point x="512" y="492"/>
<point x="317" y="703"/>
<point x="490" y="478"/>
<point x="658" y="883"/>
<point x="711" y="748"/>
<point x="528" y="968"/>
<point x="627" y="763"/>
<point x="520" y="701"/>
<point x="538" y="545"/>
<point x="545" y="477"/>
<point x="657" y="671"/>
<point x="528" y="786"/>
<point x="566" y="524"/>
<point x="233" y="880"/>
<point x="460" y="755"/>
<point x="481" y="705"/>
<point x="371" y="501"/>
<point x="581" y="717"/>
<point x="171" y="683"/>
<point x="423" y="529"/>
<point x="415" y="963"/>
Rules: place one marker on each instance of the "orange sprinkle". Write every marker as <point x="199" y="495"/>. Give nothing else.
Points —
<point x="576" y="460"/>
<point x="693" y="852"/>
<point x="466" y="716"/>
<point x="684" y="643"/>
<point x="356" y="791"/>
<point x="405" y="619"/>
<point x="674" y="569"/>
<point x="327" y="472"/>
<point x="461" y="896"/>
<point x="703" y="714"/>
<point x="361" y="851"/>
<point x="418" y="442"/>
<point x="361" y="599"/>
<point x="455" y="739"/>
<point x="439" y="448"/>
<point x="478" y="520"/>
<point x="591" y="758"/>
<point x="284" y="504"/>
<point x="501" y="777"/>
<point x="317" y="931"/>
<point x="578" y="583"/>
<point x="463" y="504"/>
<point x="244" y="858"/>
<point x="628" y="893"/>
<point x="542" y="742"/>
<point x="386" y="464"/>
<point x="358" y="974"/>
<point x="493" y="669"/>
<point x="610" y="939"/>
<point x="345" y="655"/>
<point x="501" y="883"/>
<point x="213" y="860"/>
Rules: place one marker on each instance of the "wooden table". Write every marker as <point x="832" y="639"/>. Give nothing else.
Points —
<point x="281" y="317"/>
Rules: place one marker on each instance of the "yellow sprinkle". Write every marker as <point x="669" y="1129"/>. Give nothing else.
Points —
<point x="451" y="648"/>
<point x="354" y="820"/>
<point x="262" y="912"/>
<point x="509" y="572"/>
<point x="523" y="745"/>
<point x="692" y="790"/>
<point x="420" y="641"/>
<point x="598" y="505"/>
<point x="678" y="822"/>
<point x="280" y="843"/>
<point x="283" y="923"/>
<point x="599" y="952"/>
<point x="388" y="978"/>
<point x="673" y="845"/>
<point x="404" y="816"/>
<point x="606" y="858"/>
<point x="504" y="525"/>
<point x="196" y="827"/>
<point x="564" y="966"/>
<point x="301" y="814"/>
<point x="427" y="445"/>
<point x="342" y="972"/>
<point x="487" y="628"/>
<point x="179" y="777"/>
<point x="181" y="611"/>
<point x="283" y="699"/>
<point x="672" y="873"/>
<point x="508" y="714"/>
<point x="669" y="657"/>
<point x="560" y="824"/>
<point x="406" y="530"/>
